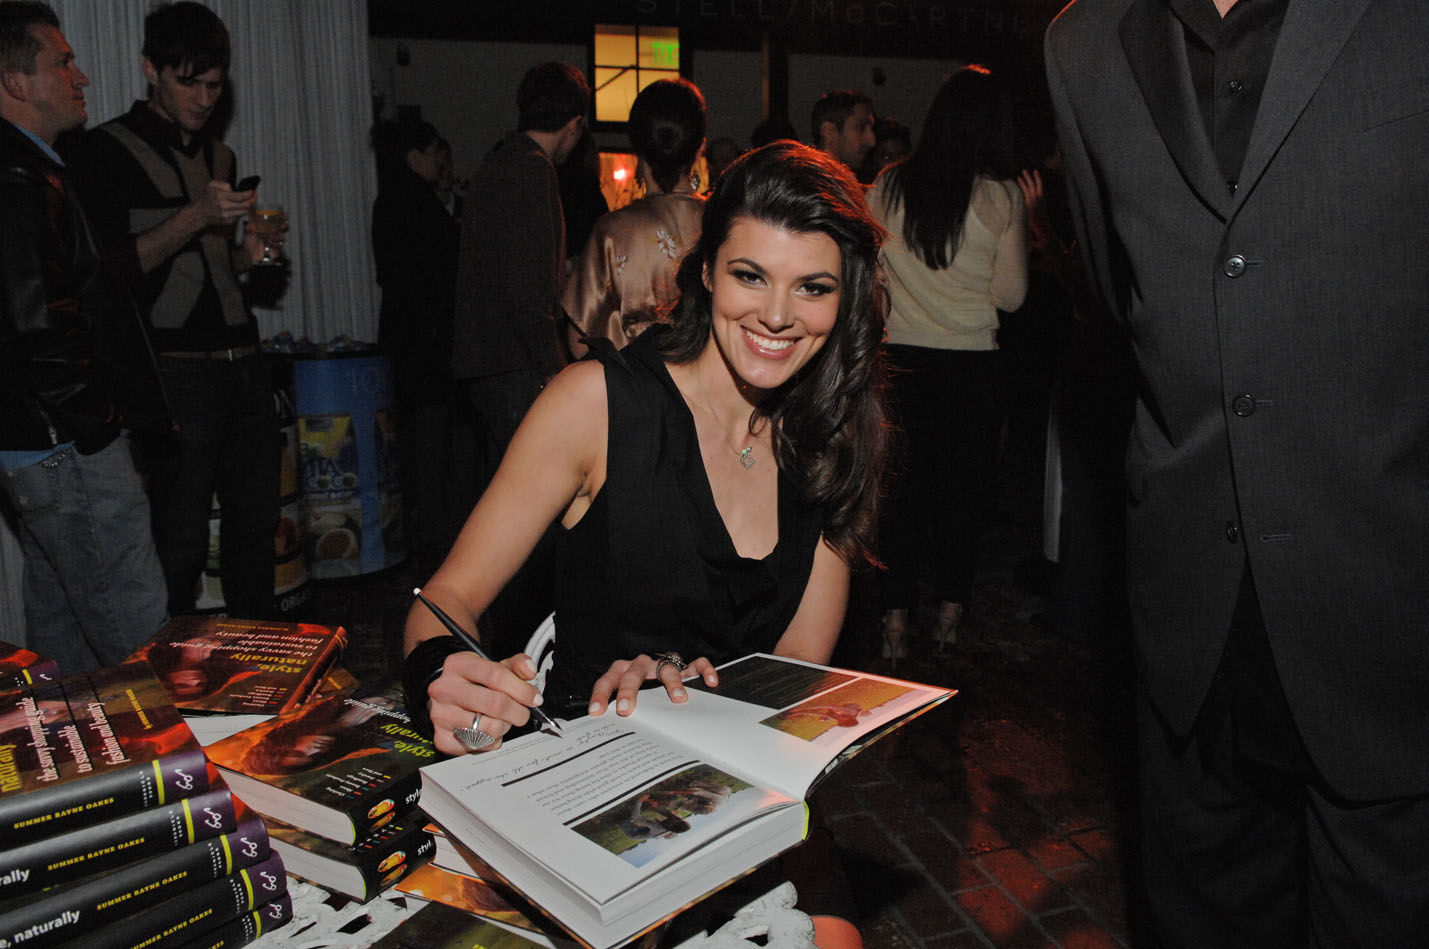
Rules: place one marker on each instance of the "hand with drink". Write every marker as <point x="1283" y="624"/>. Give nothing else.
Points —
<point x="268" y="222"/>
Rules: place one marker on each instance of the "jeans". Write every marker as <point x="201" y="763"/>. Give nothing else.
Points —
<point x="228" y="445"/>
<point x="93" y="588"/>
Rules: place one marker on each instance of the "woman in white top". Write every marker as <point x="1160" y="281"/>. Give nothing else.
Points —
<point x="956" y="254"/>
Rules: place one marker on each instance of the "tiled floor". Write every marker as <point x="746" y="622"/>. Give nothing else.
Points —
<point x="991" y="821"/>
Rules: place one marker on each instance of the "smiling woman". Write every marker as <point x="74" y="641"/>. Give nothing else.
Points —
<point x="716" y="479"/>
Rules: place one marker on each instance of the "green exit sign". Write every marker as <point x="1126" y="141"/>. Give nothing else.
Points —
<point x="665" y="53"/>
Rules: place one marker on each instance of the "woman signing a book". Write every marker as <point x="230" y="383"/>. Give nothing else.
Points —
<point x="715" y="481"/>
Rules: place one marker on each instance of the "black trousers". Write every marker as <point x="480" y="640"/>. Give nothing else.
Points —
<point x="228" y="445"/>
<point x="948" y="406"/>
<point x="1240" y="851"/>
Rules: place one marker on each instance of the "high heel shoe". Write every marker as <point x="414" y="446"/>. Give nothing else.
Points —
<point x="895" y="636"/>
<point x="950" y="617"/>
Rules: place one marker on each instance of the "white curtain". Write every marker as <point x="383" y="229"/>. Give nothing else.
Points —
<point x="303" y="106"/>
<point x="302" y="109"/>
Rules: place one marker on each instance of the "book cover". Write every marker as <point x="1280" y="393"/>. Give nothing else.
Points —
<point x="219" y="664"/>
<point x="341" y="767"/>
<point x="21" y="667"/>
<point x="197" y="911"/>
<point x="64" y="912"/>
<point x="246" y="928"/>
<point x="363" y="869"/>
<point x="474" y="895"/>
<point x="114" y="843"/>
<point x="624" y="821"/>
<point x="91" y="747"/>
<point x="439" y="926"/>
<point x="338" y="679"/>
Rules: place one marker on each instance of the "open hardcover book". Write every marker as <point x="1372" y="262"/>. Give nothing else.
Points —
<point x="625" y="821"/>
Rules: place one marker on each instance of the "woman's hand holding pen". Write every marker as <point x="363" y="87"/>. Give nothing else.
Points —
<point x="473" y="692"/>
<point x="625" y="677"/>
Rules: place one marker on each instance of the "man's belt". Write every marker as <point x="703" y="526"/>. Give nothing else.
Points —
<point x="222" y="355"/>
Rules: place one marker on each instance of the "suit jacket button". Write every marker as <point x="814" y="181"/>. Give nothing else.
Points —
<point x="1243" y="405"/>
<point x="1232" y="532"/>
<point x="1235" y="266"/>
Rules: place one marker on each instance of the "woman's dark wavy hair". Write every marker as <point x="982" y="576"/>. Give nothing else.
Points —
<point x="828" y="423"/>
<point x="968" y="132"/>
<point x="667" y="128"/>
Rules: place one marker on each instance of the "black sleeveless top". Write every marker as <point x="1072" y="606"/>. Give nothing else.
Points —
<point x="650" y="567"/>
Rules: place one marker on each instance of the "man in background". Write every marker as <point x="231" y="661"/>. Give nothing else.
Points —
<point x="1240" y="171"/>
<point x="75" y="370"/>
<point x="842" y="121"/>
<point x="160" y="188"/>
<point x="510" y="267"/>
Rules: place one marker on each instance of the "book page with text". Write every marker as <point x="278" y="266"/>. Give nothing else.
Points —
<point x="605" y="807"/>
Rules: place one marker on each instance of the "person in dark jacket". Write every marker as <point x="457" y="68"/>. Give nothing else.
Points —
<point x="414" y="244"/>
<point x="75" y="371"/>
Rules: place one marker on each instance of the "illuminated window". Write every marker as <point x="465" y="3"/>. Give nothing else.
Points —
<point x="627" y="59"/>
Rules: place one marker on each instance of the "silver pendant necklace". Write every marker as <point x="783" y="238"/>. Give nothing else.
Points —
<point x="745" y="454"/>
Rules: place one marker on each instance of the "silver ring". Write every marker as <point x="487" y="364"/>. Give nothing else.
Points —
<point x="663" y="659"/>
<point x="473" y="738"/>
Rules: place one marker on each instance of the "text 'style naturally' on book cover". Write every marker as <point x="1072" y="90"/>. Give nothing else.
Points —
<point x="220" y="664"/>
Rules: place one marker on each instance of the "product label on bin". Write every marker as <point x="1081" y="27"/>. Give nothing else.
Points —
<point x="328" y="447"/>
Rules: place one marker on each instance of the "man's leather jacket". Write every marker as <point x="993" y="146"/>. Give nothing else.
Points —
<point x="75" y="363"/>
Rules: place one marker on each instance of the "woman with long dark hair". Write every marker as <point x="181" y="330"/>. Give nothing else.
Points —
<point x="716" y="479"/>
<point x="624" y="279"/>
<point x="956" y="254"/>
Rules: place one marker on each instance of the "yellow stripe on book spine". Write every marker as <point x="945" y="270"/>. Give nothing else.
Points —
<point x="188" y="821"/>
<point x="227" y="855"/>
<point x="159" y="780"/>
<point x="248" y="887"/>
<point x="257" y="924"/>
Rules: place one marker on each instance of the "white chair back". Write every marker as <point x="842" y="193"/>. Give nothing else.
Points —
<point x="541" y="647"/>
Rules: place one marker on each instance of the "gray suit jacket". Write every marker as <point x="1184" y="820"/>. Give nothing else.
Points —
<point x="1283" y="338"/>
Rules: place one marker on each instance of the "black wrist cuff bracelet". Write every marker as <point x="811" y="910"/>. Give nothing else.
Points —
<point x="420" y="669"/>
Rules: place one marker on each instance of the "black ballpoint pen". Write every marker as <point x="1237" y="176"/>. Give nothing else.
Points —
<point x="467" y="639"/>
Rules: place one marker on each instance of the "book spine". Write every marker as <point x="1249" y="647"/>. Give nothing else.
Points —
<point x="318" y="670"/>
<point x="372" y="810"/>
<point x="394" y="858"/>
<point x="196" y="912"/>
<point x="68" y="911"/>
<point x="248" y="927"/>
<point x="38" y="674"/>
<point x="103" y="795"/>
<point x="29" y="867"/>
<point x="381" y="860"/>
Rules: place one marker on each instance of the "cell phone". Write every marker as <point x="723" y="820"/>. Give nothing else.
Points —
<point x="248" y="184"/>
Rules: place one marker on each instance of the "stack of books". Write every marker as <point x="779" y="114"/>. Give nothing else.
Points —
<point x="115" y="829"/>
<point x="337" y="779"/>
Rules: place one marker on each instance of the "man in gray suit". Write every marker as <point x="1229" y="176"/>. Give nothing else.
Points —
<point x="1241" y="172"/>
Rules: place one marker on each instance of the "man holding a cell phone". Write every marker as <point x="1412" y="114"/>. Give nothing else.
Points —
<point x="163" y="195"/>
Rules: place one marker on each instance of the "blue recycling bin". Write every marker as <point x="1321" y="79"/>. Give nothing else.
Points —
<point x="347" y="464"/>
